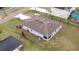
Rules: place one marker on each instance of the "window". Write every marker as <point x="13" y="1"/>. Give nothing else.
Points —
<point x="45" y="37"/>
<point x="27" y="30"/>
<point x="49" y="36"/>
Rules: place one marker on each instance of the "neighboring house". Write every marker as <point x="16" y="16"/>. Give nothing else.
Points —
<point x="10" y="44"/>
<point x="39" y="9"/>
<point x="75" y="16"/>
<point x="41" y="26"/>
<point x="63" y="12"/>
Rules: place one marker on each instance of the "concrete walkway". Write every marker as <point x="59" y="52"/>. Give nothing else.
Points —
<point x="22" y="16"/>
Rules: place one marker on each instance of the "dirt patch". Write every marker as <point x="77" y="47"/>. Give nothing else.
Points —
<point x="65" y="39"/>
<point x="67" y="44"/>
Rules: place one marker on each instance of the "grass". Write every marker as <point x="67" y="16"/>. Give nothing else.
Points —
<point x="8" y="28"/>
<point x="66" y="39"/>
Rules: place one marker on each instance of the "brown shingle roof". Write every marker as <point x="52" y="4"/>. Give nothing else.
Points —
<point x="42" y="25"/>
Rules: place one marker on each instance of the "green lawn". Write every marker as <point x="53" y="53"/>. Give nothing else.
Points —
<point x="8" y="28"/>
<point x="66" y="39"/>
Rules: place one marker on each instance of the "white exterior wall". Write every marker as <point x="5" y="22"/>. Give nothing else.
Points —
<point x="39" y="9"/>
<point x="18" y="48"/>
<point x="74" y="8"/>
<point x="60" y="13"/>
<point x="40" y="35"/>
<point x="56" y="12"/>
<point x="32" y="31"/>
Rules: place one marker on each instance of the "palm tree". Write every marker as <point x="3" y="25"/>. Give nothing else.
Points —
<point x="49" y="10"/>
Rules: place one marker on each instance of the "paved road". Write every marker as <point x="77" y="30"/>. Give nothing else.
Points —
<point x="9" y="17"/>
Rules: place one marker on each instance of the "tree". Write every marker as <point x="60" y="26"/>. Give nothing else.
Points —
<point x="49" y="11"/>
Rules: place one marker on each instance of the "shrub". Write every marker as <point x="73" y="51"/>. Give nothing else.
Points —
<point x="0" y="31"/>
<point x="19" y="27"/>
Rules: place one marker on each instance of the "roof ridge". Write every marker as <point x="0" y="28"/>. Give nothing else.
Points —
<point x="46" y="28"/>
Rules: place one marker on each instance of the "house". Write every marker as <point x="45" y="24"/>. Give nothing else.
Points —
<point x="10" y="44"/>
<point x="75" y="16"/>
<point x="41" y="26"/>
<point x="63" y="12"/>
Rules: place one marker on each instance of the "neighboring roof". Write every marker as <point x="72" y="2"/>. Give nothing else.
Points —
<point x="63" y="7"/>
<point x="41" y="24"/>
<point x="75" y="15"/>
<point x="9" y="44"/>
<point x="39" y="9"/>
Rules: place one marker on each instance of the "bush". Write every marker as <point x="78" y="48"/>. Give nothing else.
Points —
<point x="0" y="31"/>
<point x="19" y="27"/>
